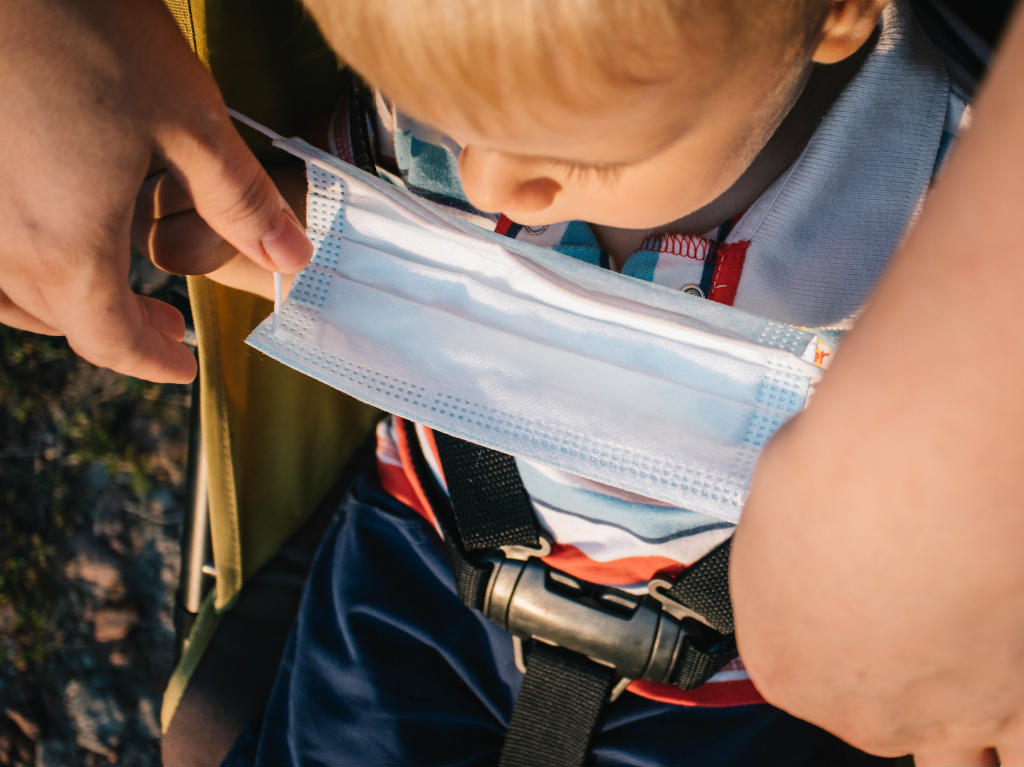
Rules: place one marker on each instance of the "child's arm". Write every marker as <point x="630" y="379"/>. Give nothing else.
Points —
<point x="878" y="570"/>
<point x="170" y="233"/>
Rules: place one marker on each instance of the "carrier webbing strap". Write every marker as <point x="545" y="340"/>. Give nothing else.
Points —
<point x="557" y="711"/>
<point x="705" y="589"/>
<point x="696" y="667"/>
<point x="488" y="507"/>
<point x="360" y="107"/>
<point x="491" y="506"/>
<point x="470" y="577"/>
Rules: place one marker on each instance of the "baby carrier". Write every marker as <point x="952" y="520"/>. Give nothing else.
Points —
<point x="275" y="443"/>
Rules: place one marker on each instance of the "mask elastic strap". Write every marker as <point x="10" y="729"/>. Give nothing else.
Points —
<point x="256" y="126"/>
<point x="274" y="137"/>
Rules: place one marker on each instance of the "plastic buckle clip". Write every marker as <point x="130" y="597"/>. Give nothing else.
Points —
<point x="634" y="635"/>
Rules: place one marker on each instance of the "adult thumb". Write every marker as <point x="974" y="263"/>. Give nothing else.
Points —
<point x="235" y="196"/>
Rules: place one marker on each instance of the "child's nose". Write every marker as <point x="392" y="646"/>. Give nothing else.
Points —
<point x="497" y="183"/>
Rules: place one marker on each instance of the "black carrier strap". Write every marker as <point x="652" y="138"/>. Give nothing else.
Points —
<point x="587" y="639"/>
<point x="558" y="709"/>
<point x="492" y="508"/>
<point x="705" y="589"/>
<point x="966" y="33"/>
<point x="471" y="575"/>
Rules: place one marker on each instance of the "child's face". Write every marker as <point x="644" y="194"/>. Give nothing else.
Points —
<point x="618" y="150"/>
<point x="628" y="165"/>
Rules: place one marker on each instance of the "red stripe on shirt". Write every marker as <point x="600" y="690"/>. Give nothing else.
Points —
<point x="396" y="484"/>
<point x="737" y="692"/>
<point x="684" y="245"/>
<point x="615" y="572"/>
<point x="726" y="277"/>
<point x="428" y="437"/>
<point x="504" y="222"/>
<point x="423" y="505"/>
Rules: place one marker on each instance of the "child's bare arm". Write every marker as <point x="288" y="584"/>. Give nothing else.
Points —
<point x="170" y="233"/>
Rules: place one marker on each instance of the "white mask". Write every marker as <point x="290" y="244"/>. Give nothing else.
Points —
<point x="530" y="352"/>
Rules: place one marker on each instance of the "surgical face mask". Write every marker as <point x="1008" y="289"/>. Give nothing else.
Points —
<point x="531" y="352"/>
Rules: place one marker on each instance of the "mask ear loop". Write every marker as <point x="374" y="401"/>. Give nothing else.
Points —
<point x="278" y="299"/>
<point x="275" y="137"/>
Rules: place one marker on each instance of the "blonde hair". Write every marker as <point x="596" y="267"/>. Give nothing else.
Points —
<point x="483" y="57"/>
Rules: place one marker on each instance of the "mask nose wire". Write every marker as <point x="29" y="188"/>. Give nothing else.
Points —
<point x="273" y="136"/>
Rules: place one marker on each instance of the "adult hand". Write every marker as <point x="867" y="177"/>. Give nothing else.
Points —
<point x="97" y="94"/>
<point x="170" y="233"/>
<point x="878" y="575"/>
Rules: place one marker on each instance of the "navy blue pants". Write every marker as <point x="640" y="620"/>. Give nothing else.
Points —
<point x="385" y="666"/>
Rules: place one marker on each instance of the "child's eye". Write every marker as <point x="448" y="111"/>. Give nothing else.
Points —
<point x="602" y="171"/>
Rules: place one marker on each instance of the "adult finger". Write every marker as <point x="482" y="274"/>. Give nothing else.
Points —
<point x="161" y="195"/>
<point x="235" y="196"/>
<point x="163" y="317"/>
<point x="183" y="244"/>
<point x="119" y="330"/>
<point x="107" y="324"/>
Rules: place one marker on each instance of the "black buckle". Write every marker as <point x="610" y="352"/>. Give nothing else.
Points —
<point x="638" y="636"/>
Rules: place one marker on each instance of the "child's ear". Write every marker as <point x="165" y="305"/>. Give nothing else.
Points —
<point x="848" y="26"/>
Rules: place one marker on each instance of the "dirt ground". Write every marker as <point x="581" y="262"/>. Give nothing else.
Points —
<point x="92" y="488"/>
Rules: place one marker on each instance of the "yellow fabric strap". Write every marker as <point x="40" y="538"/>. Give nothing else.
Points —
<point x="203" y="628"/>
<point x="275" y="441"/>
<point x="181" y="10"/>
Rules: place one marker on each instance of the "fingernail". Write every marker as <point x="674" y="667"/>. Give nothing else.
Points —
<point x="286" y="244"/>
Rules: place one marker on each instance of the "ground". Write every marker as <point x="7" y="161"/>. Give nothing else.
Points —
<point x="92" y="492"/>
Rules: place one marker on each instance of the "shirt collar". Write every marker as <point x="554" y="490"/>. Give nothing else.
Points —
<point x="823" y="232"/>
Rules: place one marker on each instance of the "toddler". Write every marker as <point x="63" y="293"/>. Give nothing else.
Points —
<point x="766" y="154"/>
